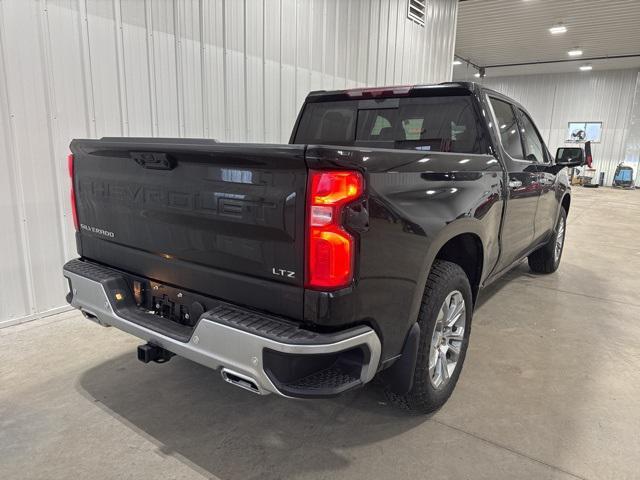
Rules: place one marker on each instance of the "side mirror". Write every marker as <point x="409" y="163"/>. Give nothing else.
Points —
<point x="570" y="157"/>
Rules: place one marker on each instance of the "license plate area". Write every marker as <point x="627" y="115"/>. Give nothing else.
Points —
<point x="178" y="305"/>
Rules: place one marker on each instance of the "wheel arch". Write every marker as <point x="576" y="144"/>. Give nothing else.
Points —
<point x="465" y="250"/>
<point x="461" y="242"/>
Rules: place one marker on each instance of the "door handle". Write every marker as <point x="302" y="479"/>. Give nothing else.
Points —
<point x="515" y="183"/>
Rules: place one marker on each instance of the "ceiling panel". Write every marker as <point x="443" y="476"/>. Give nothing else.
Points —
<point x="498" y="32"/>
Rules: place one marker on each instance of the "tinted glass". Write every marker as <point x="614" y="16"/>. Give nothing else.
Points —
<point x="444" y="124"/>
<point x="508" y="127"/>
<point x="532" y="142"/>
<point x="332" y="123"/>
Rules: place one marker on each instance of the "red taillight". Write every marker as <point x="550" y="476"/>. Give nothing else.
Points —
<point x="330" y="248"/>
<point x="74" y="210"/>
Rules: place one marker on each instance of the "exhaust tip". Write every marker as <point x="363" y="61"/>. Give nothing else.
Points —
<point x="240" y="380"/>
<point x="93" y="318"/>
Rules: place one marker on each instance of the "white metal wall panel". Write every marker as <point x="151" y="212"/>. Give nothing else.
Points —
<point x="254" y="87"/>
<point x="14" y="294"/>
<point x="34" y="167"/>
<point x="213" y="69"/>
<point x="632" y="148"/>
<point x="139" y="118"/>
<point x="234" y="70"/>
<point x="105" y="71"/>
<point x="555" y="100"/>
<point x="164" y="73"/>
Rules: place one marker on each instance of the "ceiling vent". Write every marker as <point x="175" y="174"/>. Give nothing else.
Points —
<point x="417" y="11"/>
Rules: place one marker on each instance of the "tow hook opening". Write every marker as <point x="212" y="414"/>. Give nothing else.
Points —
<point x="153" y="353"/>
<point x="239" y="380"/>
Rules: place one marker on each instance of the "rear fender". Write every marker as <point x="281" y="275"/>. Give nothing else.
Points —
<point x="452" y="230"/>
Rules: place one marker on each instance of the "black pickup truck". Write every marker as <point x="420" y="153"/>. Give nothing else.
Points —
<point x="356" y="251"/>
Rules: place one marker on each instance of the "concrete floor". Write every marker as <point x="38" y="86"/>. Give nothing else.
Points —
<point x="550" y="389"/>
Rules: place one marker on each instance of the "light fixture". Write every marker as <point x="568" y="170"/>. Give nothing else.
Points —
<point x="477" y="74"/>
<point x="457" y="62"/>
<point x="557" y="29"/>
<point x="586" y="68"/>
<point x="576" y="52"/>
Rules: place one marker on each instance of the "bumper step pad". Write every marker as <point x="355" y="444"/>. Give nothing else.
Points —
<point x="332" y="378"/>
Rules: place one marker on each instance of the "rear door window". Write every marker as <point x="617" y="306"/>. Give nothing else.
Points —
<point x="508" y="128"/>
<point x="441" y="123"/>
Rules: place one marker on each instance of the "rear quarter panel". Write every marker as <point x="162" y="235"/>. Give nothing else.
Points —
<point x="417" y="201"/>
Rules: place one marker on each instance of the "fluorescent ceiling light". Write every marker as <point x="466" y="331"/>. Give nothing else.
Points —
<point x="586" y="68"/>
<point x="556" y="29"/>
<point x="576" y="52"/>
<point x="457" y="62"/>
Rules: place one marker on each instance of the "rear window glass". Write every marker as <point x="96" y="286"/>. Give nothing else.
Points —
<point x="444" y="124"/>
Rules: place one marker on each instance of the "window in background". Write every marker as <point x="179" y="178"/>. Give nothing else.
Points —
<point x="376" y="124"/>
<point x="579" y="132"/>
<point x="412" y="128"/>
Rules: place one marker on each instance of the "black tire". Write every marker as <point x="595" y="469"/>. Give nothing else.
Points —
<point x="545" y="260"/>
<point x="424" y="397"/>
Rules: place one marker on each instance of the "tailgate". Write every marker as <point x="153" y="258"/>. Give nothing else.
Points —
<point x="225" y="220"/>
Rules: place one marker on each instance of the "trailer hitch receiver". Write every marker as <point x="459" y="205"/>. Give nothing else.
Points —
<point x="153" y="353"/>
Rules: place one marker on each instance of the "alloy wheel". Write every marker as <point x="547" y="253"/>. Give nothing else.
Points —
<point x="447" y="338"/>
<point x="559" y="240"/>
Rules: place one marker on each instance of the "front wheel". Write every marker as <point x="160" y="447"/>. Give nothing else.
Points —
<point x="445" y="325"/>
<point x="547" y="258"/>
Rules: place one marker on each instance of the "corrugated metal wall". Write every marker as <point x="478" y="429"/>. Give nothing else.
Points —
<point x="235" y="70"/>
<point x="557" y="99"/>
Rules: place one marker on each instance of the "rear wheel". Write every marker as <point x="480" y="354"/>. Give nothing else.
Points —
<point x="445" y="324"/>
<point x="547" y="258"/>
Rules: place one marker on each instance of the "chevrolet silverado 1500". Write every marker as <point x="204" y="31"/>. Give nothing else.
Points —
<point x="357" y="250"/>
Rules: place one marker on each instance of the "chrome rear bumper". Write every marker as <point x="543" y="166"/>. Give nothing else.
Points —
<point x="226" y="341"/>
